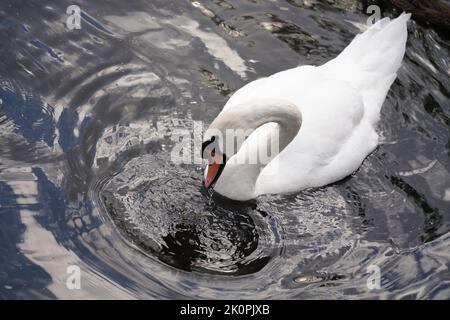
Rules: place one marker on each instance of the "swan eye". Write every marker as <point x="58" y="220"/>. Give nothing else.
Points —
<point x="205" y="145"/>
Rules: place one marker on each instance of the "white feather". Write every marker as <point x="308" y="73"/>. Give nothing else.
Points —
<point x="340" y="103"/>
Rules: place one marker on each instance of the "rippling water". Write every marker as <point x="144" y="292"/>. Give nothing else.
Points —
<point x="89" y="118"/>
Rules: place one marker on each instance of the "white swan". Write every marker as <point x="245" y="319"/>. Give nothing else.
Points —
<point x="325" y="117"/>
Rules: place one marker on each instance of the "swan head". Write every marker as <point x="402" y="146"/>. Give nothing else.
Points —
<point x="221" y="142"/>
<point x="216" y="158"/>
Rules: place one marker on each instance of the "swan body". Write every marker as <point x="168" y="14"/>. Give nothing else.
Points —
<point x="333" y="109"/>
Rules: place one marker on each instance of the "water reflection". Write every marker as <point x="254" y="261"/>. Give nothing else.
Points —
<point x="87" y="120"/>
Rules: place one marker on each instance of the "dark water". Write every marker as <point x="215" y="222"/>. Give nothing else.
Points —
<point x="89" y="118"/>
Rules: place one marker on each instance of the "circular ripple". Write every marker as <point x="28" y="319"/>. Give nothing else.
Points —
<point x="161" y="208"/>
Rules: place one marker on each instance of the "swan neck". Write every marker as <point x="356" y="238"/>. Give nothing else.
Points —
<point x="252" y="115"/>
<point x="239" y="178"/>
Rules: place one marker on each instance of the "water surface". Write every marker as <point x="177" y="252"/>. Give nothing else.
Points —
<point x="89" y="118"/>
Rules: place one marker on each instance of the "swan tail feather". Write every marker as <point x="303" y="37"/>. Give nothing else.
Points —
<point x="380" y="48"/>
<point x="371" y="61"/>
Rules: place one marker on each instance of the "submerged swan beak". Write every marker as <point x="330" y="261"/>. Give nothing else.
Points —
<point x="214" y="169"/>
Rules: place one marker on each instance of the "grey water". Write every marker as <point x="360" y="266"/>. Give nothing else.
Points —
<point x="89" y="119"/>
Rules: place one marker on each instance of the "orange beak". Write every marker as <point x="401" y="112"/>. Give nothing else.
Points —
<point x="213" y="170"/>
